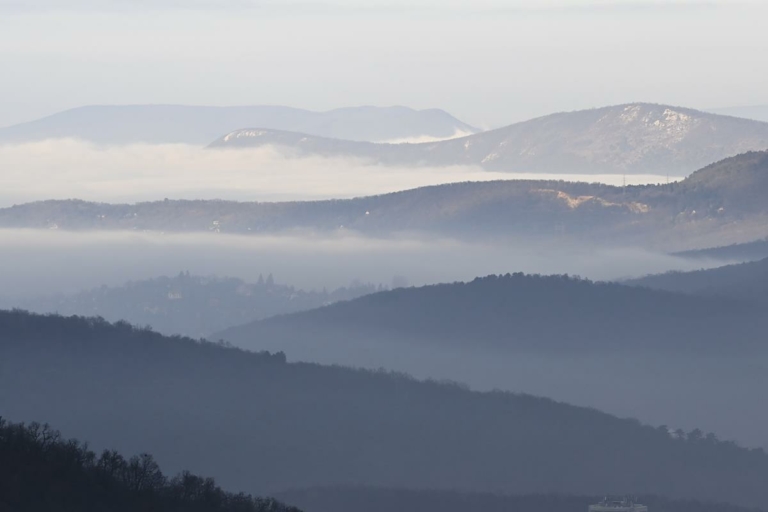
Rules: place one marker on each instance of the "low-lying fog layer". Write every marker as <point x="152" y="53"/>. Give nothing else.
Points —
<point x="42" y="262"/>
<point x="66" y="168"/>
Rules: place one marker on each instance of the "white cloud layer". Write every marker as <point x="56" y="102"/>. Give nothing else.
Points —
<point x="65" y="168"/>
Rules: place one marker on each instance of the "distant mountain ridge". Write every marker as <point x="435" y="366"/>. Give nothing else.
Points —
<point x="175" y="124"/>
<point x="700" y="210"/>
<point x="637" y="138"/>
<point x="754" y="112"/>
<point x="746" y="282"/>
<point x="734" y="253"/>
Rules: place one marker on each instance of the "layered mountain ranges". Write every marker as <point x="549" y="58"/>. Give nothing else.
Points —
<point x="179" y="124"/>
<point x="259" y="424"/>
<point x="637" y="138"/>
<point x="722" y="203"/>
<point x="668" y="357"/>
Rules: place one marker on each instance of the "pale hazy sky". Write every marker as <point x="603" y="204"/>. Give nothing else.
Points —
<point x="489" y="62"/>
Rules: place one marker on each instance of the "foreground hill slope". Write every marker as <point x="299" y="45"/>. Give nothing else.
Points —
<point x="40" y="470"/>
<point x="724" y="202"/>
<point x="636" y="138"/>
<point x="260" y="424"/>
<point x="164" y="124"/>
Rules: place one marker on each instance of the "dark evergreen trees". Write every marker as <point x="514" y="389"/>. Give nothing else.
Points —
<point x="42" y="472"/>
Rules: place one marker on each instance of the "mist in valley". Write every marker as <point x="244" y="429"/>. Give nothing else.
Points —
<point x="55" y="262"/>
<point x="77" y="169"/>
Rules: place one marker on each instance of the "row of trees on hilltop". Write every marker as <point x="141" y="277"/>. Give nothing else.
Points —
<point x="41" y="471"/>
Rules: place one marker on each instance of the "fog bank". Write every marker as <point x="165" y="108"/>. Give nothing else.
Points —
<point x="68" y="168"/>
<point x="46" y="262"/>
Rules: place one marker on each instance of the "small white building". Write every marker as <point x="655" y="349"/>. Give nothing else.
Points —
<point x="618" y="504"/>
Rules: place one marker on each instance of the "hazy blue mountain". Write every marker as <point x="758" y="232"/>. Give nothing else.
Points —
<point x="189" y="305"/>
<point x="755" y="112"/>
<point x="746" y="282"/>
<point x="257" y="423"/>
<point x="159" y="124"/>
<point x="372" y="499"/>
<point x="659" y="356"/>
<point x="625" y="139"/>
<point x="724" y="201"/>
<point x="747" y="251"/>
<point x="513" y="312"/>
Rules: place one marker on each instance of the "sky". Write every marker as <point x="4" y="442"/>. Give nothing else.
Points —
<point x="489" y="62"/>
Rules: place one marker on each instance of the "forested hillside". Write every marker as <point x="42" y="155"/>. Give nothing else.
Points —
<point x="40" y="471"/>
<point x="523" y="313"/>
<point x="259" y="424"/>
